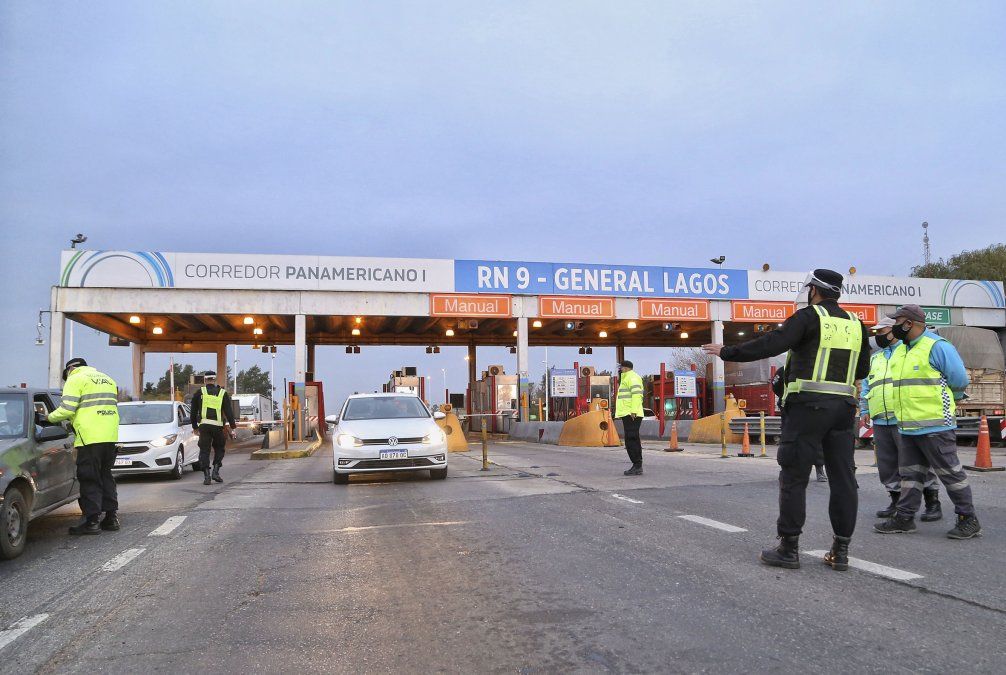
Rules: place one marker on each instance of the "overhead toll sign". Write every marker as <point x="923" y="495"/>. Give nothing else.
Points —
<point x="535" y="278"/>
<point x="866" y="313"/>
<point x="558" y="307"/>
<point x="673" y="310"/>
<point x="475" y="306"/>
<point x="752" y="312"/>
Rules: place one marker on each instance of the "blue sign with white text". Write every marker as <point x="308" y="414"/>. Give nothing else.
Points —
<point x="538" y="278"/>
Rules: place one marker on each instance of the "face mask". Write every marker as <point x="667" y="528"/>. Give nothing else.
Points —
<point x="900" y="331"/>
<point x="882" y="340"/>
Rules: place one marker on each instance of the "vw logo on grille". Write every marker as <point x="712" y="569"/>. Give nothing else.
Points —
<point x="393" y="440"/>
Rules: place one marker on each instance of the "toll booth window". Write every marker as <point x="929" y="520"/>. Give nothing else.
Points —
<point x="385" y="408"/>
<point x="12" y="414"/>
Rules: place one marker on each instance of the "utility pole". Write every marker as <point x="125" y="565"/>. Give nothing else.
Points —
<point x="925" y="243"/>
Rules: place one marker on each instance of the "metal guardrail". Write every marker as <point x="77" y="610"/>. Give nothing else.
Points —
<point x="773" y="425"/>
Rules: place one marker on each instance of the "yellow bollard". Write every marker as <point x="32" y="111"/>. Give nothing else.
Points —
<point x="485" y="446"/>
<point x="723" y="435"/>
<point x="761" y="422"/>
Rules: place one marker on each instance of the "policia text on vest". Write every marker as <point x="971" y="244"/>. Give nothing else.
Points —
<point x="211" y="410"/>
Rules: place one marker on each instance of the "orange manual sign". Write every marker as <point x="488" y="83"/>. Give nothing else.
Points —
<point x="554" y="307"/>
<point x="664" y="310"/>
<point x="866" y="313"/>
<point x="748" y="311"/>
<point x="475" y="306"/>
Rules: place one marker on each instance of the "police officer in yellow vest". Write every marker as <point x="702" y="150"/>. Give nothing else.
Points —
<point x="211" y="409"/>
<point x="90" y="404"/>
<point x="928" y="376"/>
<point x="877" y="406"/>
<point x="629" y="409"/>
<point x="828" y="351"/>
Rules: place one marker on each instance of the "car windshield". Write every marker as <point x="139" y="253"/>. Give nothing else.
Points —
<point x="147" y="413"/>
<point x="12" y="416"/>
<point x="385" y="408"/>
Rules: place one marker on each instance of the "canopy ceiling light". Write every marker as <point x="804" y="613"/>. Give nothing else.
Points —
<point x="536" y="323"/>
<point x="134" y="319"/>
<point x="158" y="330"/>
<point x="249" y="320"/>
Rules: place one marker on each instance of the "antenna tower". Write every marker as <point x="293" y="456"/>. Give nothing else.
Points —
<point x="925" y="242"/>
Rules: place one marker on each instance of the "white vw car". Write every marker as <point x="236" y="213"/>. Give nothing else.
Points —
<point x="155" y="437"/>
<point x="387" y="432"/>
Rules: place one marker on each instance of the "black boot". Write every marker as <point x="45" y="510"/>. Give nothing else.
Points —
<point x="111" y="522"/>
<point x="787" y="554"/>
<point x="216" y="474"/>
<point x="933" y="509"/>
<point x="896" y="525"/>
<point x="206" y="476"/>
<point x="893" y="508"/>
<point x="838" y="556"/>
<point x="86" y="526"/>
<point x="634" y="470"/>
<point x="967" y="527"/>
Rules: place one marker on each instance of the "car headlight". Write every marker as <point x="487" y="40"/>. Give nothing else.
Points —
<point x="164" y="440"/>
<point x="347" y="441"/>
<point x="436" y="437"/>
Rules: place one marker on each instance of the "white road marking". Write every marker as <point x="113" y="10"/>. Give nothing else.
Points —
<point x="168" y="527"/>
<point x="713" y="523"/>
<point x="384" y="527"/>
<point x="626" y="499"/>
<point x="123" y="559"/>
<point x="875" y="568"/>
<point x="20" y="628"/>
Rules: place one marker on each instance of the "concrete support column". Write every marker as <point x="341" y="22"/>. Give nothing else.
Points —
<point x="619" y="354"/>
<point x="222" y="367"/>
<point x="300" y="347"/>
<point x="57" y="329"/>
<point x="310" y="361"/>
<point x="139" y="369"/>
<point x="719" y="400"/>
<point x="523" y="368"/>
<point x="472" y="376"/>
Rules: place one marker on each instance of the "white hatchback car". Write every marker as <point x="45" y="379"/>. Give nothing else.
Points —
<point x="155" y="437"/>
<point x="387" y="432"/>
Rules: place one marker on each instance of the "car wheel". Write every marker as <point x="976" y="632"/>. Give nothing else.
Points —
<point x="438" y="474"/>
<point x="340" y="478"/>
<point x="13" y="524"/>
<point x="176" y="472"/>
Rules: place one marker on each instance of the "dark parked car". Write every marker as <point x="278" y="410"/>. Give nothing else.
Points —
<point x="37" y="464"/>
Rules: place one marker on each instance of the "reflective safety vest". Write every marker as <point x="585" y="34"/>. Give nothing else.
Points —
<point x="630" y="395"/>
<point x="90" y="403"/>
<point x="833" y="370"/>
<point x="213" y="407"/>
<point x="880" y="398"/>
<point x="922" y="398"/>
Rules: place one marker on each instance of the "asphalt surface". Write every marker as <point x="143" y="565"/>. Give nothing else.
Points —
<point x="552" y="561"/>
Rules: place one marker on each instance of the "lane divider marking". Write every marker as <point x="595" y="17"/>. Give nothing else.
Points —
<point x="168" y="527"/>
<point x="875" y="568"/>
<point x="384" y="527"/>
<point x="20" y="628"/>
<point x="626" y="499"/>
<point x="123" y="559"/>
<point x="713" y="523"/>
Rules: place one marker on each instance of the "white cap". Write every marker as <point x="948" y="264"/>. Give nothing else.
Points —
<point x="884" y="323"/>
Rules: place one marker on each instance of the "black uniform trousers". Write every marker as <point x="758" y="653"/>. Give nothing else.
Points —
<point x="211" y="435"/>
<point x="807" y="430"/>
<point x="633" y="446"/>
<point x="97" y="484"/>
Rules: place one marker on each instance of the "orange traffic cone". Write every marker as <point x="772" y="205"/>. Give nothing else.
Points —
<point x="745" y="444"/>
<point x="672" y="442"/>
<point x="983" y="455"/>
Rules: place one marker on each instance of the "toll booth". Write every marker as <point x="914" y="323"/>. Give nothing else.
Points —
<point x="591" y="386"/>
<point x="677" y="395"/>
<point x="306" y="401"/>
<point x="495" y="395"/>
<point x="406" y="381"/>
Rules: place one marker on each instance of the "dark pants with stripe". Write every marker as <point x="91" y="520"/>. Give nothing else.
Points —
<point x="211" y="435"/>
<point x="98" y="493"/>
<point x="807" y="430"/>
<point x="886" y="438"/>
<point x="633" y="446"/>
<point x="925" y="453"/>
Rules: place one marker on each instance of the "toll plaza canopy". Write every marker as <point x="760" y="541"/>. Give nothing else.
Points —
<point x="203" y="302"/>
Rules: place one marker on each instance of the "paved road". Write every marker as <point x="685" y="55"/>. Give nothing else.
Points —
<point x="552" y="561"/>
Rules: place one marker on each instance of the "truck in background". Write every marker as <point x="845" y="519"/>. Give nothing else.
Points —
<point x="255" y="411"/>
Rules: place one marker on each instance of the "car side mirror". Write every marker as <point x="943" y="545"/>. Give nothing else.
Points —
<point x="53" y="433"/>
<point x="332" y="419"/>
<point x="439" y="415"/>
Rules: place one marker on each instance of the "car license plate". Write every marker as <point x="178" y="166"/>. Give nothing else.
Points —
<point x="124" y="461"/>
<point x="394" y="454"/>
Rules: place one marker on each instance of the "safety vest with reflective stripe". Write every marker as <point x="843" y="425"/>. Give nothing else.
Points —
<point x="90" y="403"/>
<point x="880" y="398"/>
<point x="922" y="398"/>
<point x="213" y="406"/>
<point x="837" y="335"/>
<point x="629" y="399"/>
